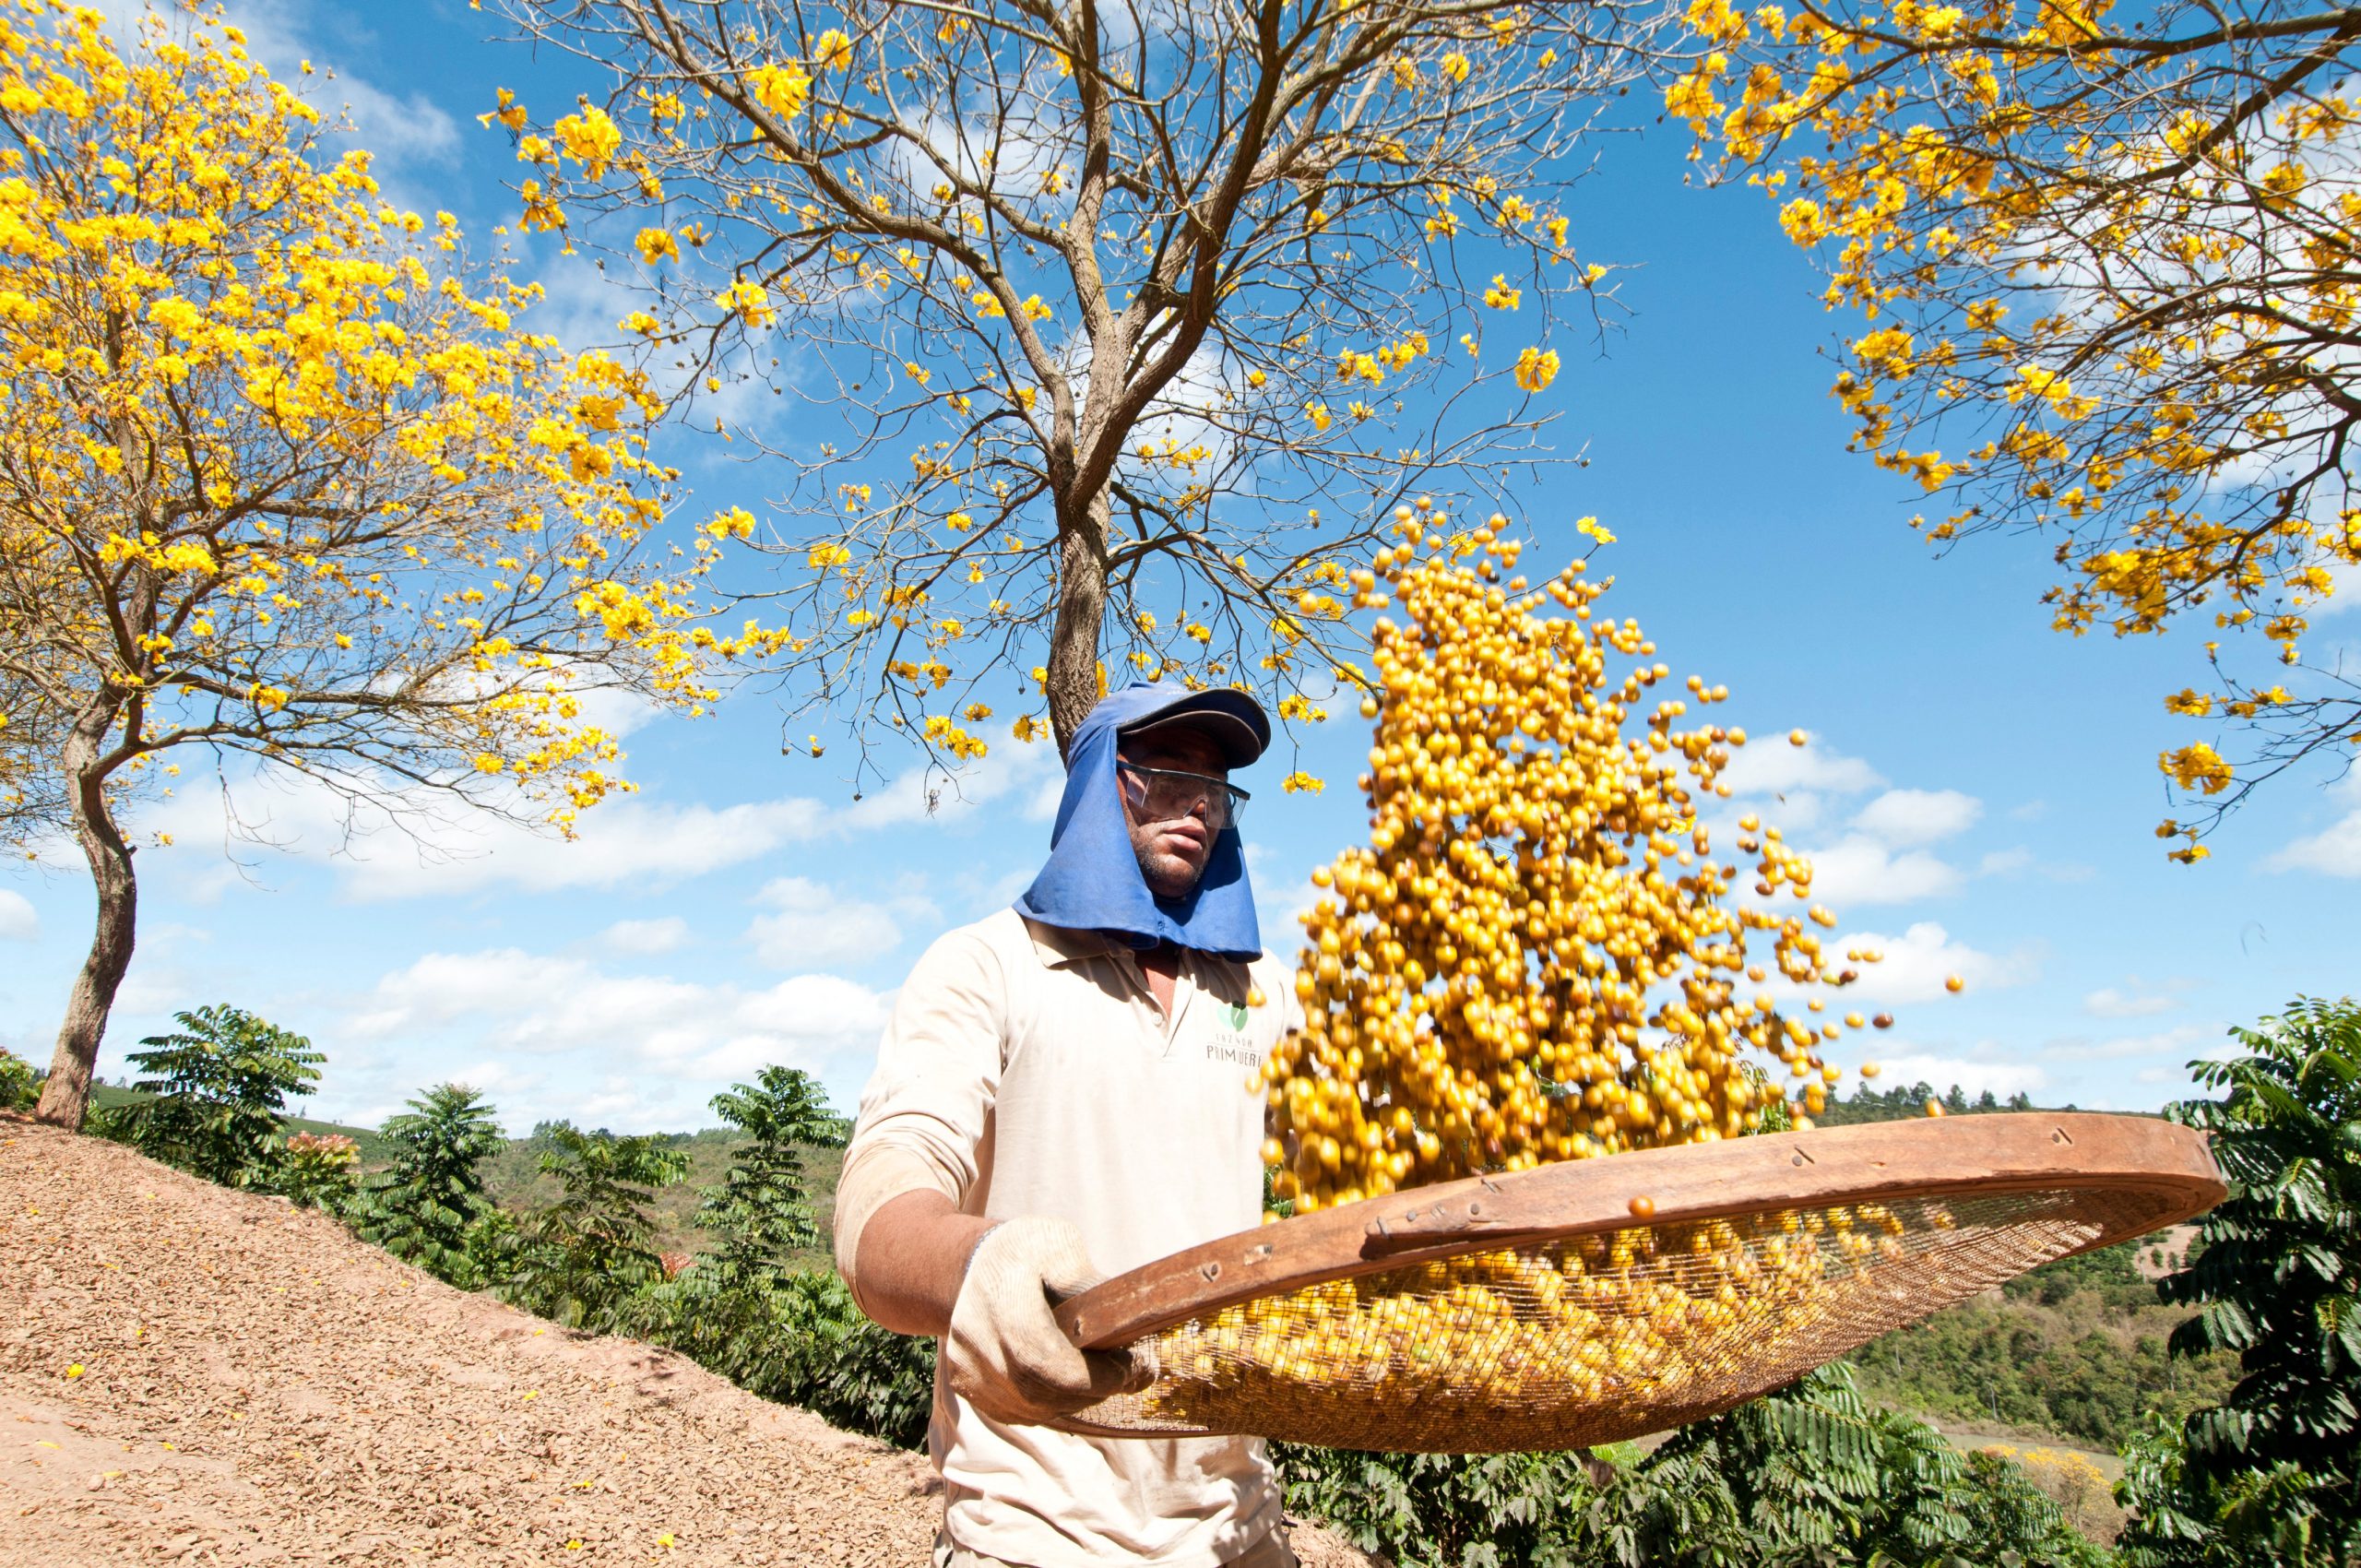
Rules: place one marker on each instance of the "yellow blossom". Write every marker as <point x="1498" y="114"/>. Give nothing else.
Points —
<point x="832" y="51"/>
<point x="785" y="90"/>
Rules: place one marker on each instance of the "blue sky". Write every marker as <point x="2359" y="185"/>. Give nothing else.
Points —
<point x="1978" y="793"/>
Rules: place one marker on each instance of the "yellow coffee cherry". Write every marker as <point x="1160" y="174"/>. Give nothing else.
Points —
<point x="1534" y="956"/>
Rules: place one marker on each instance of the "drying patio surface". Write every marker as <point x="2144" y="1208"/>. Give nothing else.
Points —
<point x="193" y="1374"/>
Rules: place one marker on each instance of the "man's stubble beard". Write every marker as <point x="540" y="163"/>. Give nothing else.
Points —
<point x="1162" y="871"/>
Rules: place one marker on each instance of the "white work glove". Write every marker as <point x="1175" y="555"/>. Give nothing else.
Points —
<point x="1005" y="1353"/>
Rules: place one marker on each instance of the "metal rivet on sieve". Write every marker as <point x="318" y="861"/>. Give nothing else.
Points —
<point x="1474" y="1209"/>
<point x="1211" y="1271"/>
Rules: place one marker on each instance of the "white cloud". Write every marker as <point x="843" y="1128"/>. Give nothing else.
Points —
<point x="648" y="846"/>
<point x="2183" y="1042"/>
<point x="2017" y="858"/>
<point x="646" y="938"/>
<point x="1797" y="811"/>
<point x="932" y="796"/>
<point x="1862" y="871"/>
<point x="438" y="850"/>
<point x="1771" y="766"/>
<point x="1907" y="818"/>
<point x="2336" y="850"/>
<point x="2138" y="1002"/>
<point x="1974" y="1075"/>
<point x="1915" y="964"/>
<point x="406" y="129"/>
<point x="17" y="921"/>
<point x="508" y="1000"/>
<point x="813" y="927"/>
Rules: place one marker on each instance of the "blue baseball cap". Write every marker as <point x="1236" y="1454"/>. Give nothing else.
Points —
<point x="1232" y="719"/>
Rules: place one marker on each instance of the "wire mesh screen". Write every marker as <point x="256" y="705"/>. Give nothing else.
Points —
<point x="1595" y="1338"/>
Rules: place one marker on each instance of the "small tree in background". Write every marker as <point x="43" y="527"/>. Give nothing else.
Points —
<point x="424" y="1205"/>
<point x="2273" y="1474"/>
<point x="216" y="1095"/>
<point x="761" y="1216"/>
<point x="285" y="484"/>
<point x="768" y="1319"/>
<point x="580" y="1258"/>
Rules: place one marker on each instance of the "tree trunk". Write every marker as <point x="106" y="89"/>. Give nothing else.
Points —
<point x="65" y="1096"/>
<point x="1074" y="636"/>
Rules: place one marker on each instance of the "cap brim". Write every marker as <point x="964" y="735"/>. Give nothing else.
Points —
<point x="1231" y="719"/>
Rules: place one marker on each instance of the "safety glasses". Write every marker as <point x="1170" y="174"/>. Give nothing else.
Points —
<point x="1163" y="794"/>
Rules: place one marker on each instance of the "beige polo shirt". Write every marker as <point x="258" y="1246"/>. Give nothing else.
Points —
<point x="1027" y="1070"/>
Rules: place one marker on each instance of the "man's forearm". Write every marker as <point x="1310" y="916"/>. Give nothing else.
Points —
<point x="913" y="1256"/>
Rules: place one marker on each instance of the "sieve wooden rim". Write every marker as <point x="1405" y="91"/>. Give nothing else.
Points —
<point x="2168" y="1164"/>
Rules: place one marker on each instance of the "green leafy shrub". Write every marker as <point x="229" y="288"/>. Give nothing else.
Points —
<point x="488" y="1250"/>
<point x="1442" y="1510"/>
<point x="19" y="1090"/>
<point x="215" y="1096"/>
<point x="2273" y="1475"/>
<point x="580" y="1259"/>
<point x="1813" y="1475"/>
<point x="844" y="1369"/>
<point x="428" y="1202"/>
<point x="319" y="1171"/>
<point x="1808" y="1476"/>
<point x="753" y="1312"/>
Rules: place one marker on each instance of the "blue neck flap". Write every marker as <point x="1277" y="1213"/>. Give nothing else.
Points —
<point x="1092" y="881"/>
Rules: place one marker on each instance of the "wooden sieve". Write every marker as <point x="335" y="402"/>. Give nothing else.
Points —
<point x="1599" y="1300"/>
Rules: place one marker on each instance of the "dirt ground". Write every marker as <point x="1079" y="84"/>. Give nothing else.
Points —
<point x="195" y="1375"/>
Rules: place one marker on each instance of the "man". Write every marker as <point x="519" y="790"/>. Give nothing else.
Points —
<point x="1064" y="1093"/>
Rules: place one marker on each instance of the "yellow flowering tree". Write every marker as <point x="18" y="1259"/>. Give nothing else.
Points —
<point x="280" y="478"/>
<point x="1111" y="334"/>
<point x="32" y="797"/>
<point x="2107" y="269"/>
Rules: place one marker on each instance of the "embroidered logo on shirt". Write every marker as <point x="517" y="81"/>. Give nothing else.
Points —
<point x="1235" y="1015"/>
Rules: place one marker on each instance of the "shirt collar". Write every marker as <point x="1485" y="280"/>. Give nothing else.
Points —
<point x="1057" y="944"/>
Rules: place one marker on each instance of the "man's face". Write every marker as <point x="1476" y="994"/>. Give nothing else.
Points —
<point x="1172" y="851"/>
